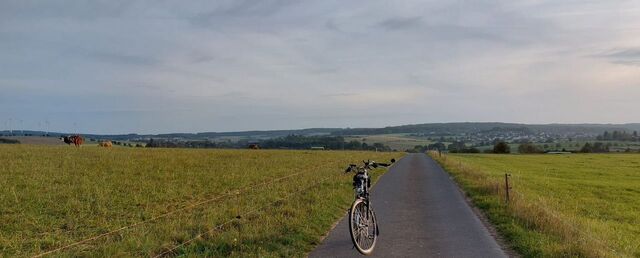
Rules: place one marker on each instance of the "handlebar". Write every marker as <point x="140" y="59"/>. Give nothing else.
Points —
<point x="368" y="165"/>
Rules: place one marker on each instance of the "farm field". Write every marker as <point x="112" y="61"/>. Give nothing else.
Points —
<point x="398" y="142"/>
<point x="585" y="205"/>
<point x="150" y="202"/>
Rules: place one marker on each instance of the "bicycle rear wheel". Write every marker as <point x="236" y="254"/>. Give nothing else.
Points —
<point x="363" y="227"/>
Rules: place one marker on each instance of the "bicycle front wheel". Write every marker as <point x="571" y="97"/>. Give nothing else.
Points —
<point x="363" y="227"/>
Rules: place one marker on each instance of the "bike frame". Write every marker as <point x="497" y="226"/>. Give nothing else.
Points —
<point x="362" y="190"/>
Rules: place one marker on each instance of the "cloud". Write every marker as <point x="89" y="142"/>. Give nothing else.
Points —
<point x="400" y="23"/>
<point x="627" y="56"/>
<point x="235" y="10"/>
<point x="122" y="59"/>
<point x="218" y="65"/>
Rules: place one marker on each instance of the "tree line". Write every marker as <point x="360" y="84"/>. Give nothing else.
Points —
<point x="502" y="147"/>
<point x="8" y="141"/>
<point x="296" y="142"/>
<point x="618" y="136"/>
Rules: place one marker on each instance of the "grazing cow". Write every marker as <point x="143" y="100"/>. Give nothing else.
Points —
<point x="107" y="144"/>
<point x="77" y="140"/>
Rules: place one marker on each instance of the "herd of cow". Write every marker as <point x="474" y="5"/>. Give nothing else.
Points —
<point x="77" y="140"/>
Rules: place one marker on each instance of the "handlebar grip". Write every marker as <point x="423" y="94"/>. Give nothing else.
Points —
<point x="350" y="168"/>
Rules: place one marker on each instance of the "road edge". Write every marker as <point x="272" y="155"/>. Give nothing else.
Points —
<point x="506" y="248"/>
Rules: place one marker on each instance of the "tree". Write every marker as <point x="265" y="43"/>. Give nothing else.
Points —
<point x="529" y="148"/>
<point x="595" y="148"/>
<point x="501" y="148"/>
<point x="600" y="147"/>
<point x="439" y="146"/>
<point x="456" y="146"/>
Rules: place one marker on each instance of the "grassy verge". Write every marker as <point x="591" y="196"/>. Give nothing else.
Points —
<point x="52" y="196"/>
<point x="561" y="206"/>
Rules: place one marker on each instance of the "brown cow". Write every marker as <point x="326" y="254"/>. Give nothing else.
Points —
<point x="77" y="140"/>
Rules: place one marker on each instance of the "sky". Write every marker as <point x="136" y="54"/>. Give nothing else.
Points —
<point x="195" y="66"/>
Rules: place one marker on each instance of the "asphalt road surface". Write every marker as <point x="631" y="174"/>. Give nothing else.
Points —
<point x="421" y="213"/>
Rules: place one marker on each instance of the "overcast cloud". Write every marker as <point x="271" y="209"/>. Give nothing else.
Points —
<point x="188" y="66"/>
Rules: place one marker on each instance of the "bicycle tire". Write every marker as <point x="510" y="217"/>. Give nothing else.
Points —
<point x="357" y="208"/>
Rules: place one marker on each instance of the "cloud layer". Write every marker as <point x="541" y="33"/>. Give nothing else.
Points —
<point x="141" y="66"/>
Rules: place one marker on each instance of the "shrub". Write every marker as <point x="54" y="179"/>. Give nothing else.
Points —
<point x="501" y="148"/>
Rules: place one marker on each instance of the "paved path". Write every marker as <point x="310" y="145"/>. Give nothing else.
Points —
<point x="420" y="213"/>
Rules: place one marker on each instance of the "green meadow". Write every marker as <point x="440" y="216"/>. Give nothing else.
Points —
<point x="123" y="202"/>
<point x="578" y="205"/>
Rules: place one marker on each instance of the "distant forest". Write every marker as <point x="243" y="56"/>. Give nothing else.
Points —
<point x="618" y="136"/>
<point x="297" y="142"/>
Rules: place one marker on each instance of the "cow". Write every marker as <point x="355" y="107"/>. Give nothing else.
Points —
<point x="77" y="140"/>
<point x="107" y="144"/>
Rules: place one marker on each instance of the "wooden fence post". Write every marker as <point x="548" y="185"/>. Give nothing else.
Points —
<point x="507" y="187"/>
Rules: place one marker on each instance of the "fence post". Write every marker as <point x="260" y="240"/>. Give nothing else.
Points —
<point x="507" y="187"/>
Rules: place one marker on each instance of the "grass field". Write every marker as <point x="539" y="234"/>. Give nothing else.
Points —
<point x="574" y="146"/>
<point x="53" y="196"/>
<point x="584" y="205"/>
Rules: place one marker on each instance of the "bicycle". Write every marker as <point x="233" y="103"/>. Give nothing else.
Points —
<point x="363" y="226"/>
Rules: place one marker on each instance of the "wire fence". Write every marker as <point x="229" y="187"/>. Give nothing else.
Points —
<point x="184" y="208"/>
<point x="220" y="226"/>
